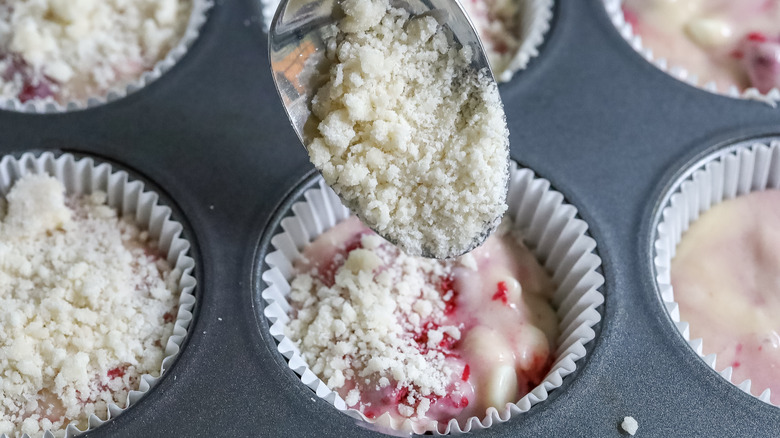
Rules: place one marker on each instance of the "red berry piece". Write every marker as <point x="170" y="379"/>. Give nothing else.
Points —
<point x="466" y="373"/>
<point x="446" y="284"/>
<point x="630" y="17"/>
<point x="326" y="272"/>
<point x="501" y="47"/>
<point x="113" y="373"/>
<point x="354" y="243"/>
<point x="447" y="342"/>
<point x="449" y="308"/>
<point x="761" y="61"/>
<point x="448" y="292"/>
<point x="35" y="85"/>
<point x="502" y="294"/>
<point x="399" y="395"/>
<point x="422" y="339"/>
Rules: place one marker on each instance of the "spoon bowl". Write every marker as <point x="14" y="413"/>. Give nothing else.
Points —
<point x="297" y="43"/>
<point x="296" y="46"/>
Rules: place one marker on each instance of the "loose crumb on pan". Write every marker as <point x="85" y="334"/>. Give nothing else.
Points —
<point x="410" y="136"/>
<point x="66" y="50"/>
<point x="630" y="425"/>
<point x="86" y="303"/>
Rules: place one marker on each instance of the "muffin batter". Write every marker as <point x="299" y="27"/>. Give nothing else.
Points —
<point x="70" y="50"/>
<point x="733" y="43"/>
<point x="726" y="279"/>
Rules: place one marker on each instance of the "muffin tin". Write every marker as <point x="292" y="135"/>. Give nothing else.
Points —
<point x="608" y="129"/>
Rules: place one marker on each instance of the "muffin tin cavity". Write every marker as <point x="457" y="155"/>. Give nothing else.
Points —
<point x="733" y="171"/>
<point x="550" y="227"/>
<point x="134" y="200"/>
<point x="35" y="87"/>
<point x="626" y="29"/>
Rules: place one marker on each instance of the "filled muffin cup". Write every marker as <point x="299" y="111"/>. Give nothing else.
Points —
<point x="723" y="175"/>
<point x="531" y="19"/>
<point x="557" y="238"/>
<point x="617" y="16"/>
<point x="133" y="201"/>
<point x="197" y="17"/>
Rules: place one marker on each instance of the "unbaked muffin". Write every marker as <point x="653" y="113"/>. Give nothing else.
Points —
<point x="422" y="339"/>
<point x="726" y="279"/>
<point x="729" y="43"/>
<point x="87" y="304"/>
<point x="71" y="50"/>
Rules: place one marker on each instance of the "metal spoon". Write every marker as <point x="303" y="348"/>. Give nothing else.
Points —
<point x="296" y="46"/>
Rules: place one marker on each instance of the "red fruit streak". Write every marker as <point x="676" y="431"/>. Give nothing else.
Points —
<point x="502" y="294"/>
<point x="401" y="394"/>
<point x="466" y="373"/>
<point x="115" y="372"/>
<point x="447" y="285"/>
<point x="630" y="17"/>
<point x="327" y="271"/>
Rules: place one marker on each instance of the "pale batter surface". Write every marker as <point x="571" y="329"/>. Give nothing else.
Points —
<point x="733" y="43"/>
<point x="726" y="279"/>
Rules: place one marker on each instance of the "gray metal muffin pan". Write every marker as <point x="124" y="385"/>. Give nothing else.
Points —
<point x="609" y="131"/>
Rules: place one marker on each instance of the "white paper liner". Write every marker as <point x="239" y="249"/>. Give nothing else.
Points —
<point x="534" y="24"/>
<point x="625" y="29"/>
<point x="719" y="177"/>
<point x="551" y="230"/>
<point x="48" y="106"/>
<point x="84" y="176"/>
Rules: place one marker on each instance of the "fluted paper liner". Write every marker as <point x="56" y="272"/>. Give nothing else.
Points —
<point x="615" y="12"/>
<point x="198" y="16"/>
<point x="84" y="176"/>
<point x="551" y="230"/>
<point x="535" y="16"/>
<point x="534" y="24"/>
<point x="721" y="176"/>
